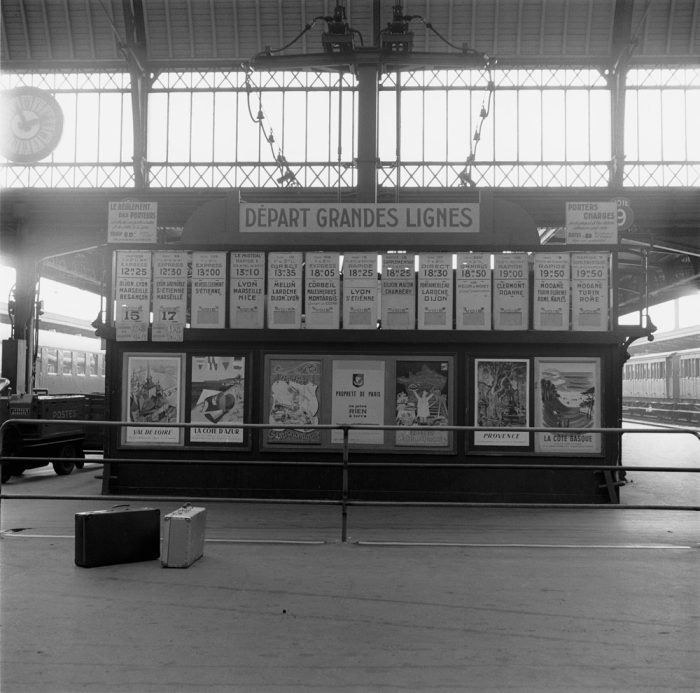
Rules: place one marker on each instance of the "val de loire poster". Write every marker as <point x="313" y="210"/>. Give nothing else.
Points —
<point x="217" y="396"/>
<point x="501" y="401"/>
<point x="153" y="395"/>
<point x="421" y="402"/>
<point x="294" y="400"/>
<point x="567" y="395"/>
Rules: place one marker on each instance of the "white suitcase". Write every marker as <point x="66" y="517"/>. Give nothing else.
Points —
<point x="183" y="536"/>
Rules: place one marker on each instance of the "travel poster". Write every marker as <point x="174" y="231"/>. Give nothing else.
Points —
<point x="293" y="399"/>
<point x="153" y="392"/>
<point x="217" y="396"/>
<point x="501" y="401"/>
<point x="421" y="402"/>
<point x="358" y="398"/>
<point x="567" y="395"/>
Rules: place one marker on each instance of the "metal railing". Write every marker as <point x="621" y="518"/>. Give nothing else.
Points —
<point x="344" y="463"/>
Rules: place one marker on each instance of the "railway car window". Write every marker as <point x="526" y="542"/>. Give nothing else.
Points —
<point x="102" y="365"/>
<point x="79" y="358"/>
<point x="662" y="368"/>
<point x="93" y="364"/>
<point x="66" y="363"/>
<point x="51" y="361"/>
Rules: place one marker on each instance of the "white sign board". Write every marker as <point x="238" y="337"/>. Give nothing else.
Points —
<point x="357" y="217"/>
<point x="591" y="223"/>
<point x="132" y="221"/>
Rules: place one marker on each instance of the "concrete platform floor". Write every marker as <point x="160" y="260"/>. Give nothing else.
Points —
<point x="418" y="599"/>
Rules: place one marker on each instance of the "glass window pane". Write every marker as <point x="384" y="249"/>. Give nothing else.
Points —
<point x="505" y="117"/>
<point x="650" y="124"/>
<point x="459" y="125"/>
<point x="179" y="119"/>
<point x="674" y="125"/>
<point x="599" y="117"/>
<point x="202" y="126"/>
<point x="412" y="126"/>
<point x="553" y="125"/>
<point x="577" y="125"/>
<point x="225" y="125"/>
<point x="86" y="123"/>
<point x="157" y="127"/>
<point x="530" y="126"/>
<point x="66" y="362"/>
<point x="386" y="126"/>
<point x="110" y="126"/>
<point x="434" y="131"/>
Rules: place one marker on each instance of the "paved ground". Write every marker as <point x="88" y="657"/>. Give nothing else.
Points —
<point x="418" y="599"/>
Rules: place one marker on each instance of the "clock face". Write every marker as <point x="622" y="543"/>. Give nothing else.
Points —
<point x="31" y="123"/>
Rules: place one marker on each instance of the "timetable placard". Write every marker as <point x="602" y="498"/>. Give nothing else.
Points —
<point x="473" y="294"/>
<point x="398" y="293"/>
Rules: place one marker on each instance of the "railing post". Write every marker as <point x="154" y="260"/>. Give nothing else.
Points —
<point x="346" y="481"/>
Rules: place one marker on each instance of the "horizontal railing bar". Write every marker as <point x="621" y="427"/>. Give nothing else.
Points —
<point x="351" y="427"/>
<point x="348" y="502"/>
<point x="331" y="463"/>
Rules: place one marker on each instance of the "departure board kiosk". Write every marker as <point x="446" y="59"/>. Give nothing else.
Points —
<point x="419" y="315"/>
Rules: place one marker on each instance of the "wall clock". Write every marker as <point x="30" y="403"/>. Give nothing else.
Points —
<point x="31" y="123"/>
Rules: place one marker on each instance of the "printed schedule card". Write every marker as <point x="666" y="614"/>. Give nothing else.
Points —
<point x="473" y="292"/>
<point x="510" y="291"/>
<point x="209" y="289"/>
<point x="284" y="288"/>
<point x="398" y="296"/>
<point x="360" y="291"/>
<point x="322" y="291"/>
<point x="435" y="291"/>
<point x="247" y="292"/>
<point x="132" y="294"/>
<point x="169" y="295"/>
<point x="551" y="291"/>
<point x="590" y="291"/>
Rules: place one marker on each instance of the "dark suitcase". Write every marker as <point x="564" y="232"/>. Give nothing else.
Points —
<point x="118" y="535"/>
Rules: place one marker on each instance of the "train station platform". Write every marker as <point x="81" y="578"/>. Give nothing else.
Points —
<point x="417" y="599"/>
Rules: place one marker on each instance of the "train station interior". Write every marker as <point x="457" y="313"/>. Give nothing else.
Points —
<point x="403" y="298"/>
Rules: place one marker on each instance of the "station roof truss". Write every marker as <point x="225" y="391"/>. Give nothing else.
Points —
<point x="86" y="36"/>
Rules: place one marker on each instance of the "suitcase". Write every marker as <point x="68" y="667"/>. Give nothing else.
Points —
<point x="118" y="535"/>
<point x="183" y="536"/>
